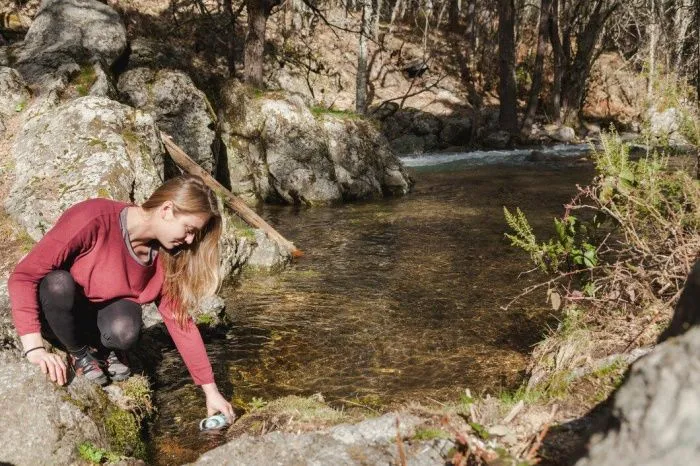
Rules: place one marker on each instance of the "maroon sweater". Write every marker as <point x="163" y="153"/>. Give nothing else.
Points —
<point x="87" y="241"/>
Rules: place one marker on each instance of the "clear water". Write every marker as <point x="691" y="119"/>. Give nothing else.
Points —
<point x="394" y="300"/>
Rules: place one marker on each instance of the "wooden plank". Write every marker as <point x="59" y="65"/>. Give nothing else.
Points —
<point x="239" y="207"/>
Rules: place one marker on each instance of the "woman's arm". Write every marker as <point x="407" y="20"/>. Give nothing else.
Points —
<point x="51" y="364"/>
<point x="191" y="347"/>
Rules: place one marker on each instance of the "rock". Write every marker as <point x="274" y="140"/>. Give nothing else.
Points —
<point x="362" y="160"/>
<point x="564" y="134"/>
<point x="500" y="430"/>
<point x="88" y="147"/>
<point x="497" y="140"/>
<point x="8" y="335"/>
<point x="68" y="33"/>
<point x="14" y="93"/>
<point x="150" y="53"/>
<point x="678" y="141"/>
<point x="368" y="442"/>
<point x="456" y="132"/>
<point x="425" y="124"/>
<point x="655" y="417"/>
<point x="267" y="254"/>
<point x="181" y="110"/>
<point x="664" y="123"/>
<point x="291" y="83"/>
<point x="408" y="144"/>
<point x="42" y="423"/>
<point x="278" y="150"/>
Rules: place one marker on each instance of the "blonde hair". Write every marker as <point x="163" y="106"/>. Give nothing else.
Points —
<point x="191" y="273"/>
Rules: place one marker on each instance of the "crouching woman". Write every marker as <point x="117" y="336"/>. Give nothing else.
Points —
<point x="83" y="284"/>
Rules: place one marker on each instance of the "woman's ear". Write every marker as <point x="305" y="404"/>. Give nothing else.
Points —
<point x="166" y="207"/>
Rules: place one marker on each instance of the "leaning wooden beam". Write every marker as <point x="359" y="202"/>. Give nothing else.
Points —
<point x="239" y="207"/>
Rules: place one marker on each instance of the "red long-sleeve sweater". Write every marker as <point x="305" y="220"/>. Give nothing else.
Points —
<point x="87" y="241"/>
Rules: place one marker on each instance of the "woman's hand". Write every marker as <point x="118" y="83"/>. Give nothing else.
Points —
<point x="216" y="403"/>
<point x="50" y="363"/>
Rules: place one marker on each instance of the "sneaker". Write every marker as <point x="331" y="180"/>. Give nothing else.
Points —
<point x="90" y="368"/>
<point x="117" y="367"/>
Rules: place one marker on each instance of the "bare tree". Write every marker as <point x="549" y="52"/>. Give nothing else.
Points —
<point x="361" y="79"/>
<point x="507" y="118"/>
<point x="545" y="11"/>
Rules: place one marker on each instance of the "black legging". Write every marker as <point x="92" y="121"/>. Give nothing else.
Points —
<point x="76" y="322"/>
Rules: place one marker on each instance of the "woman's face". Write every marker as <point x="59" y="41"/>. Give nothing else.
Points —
<point x="178" y="229"/>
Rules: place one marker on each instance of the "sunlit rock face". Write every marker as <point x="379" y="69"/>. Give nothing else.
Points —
<point x="180" y="109"/>
<point x="88" y="147"/>
<point x="655" y="419"/>
<point x="43" y="424"/>
<point x="14" y="95"/>
<point x="279" y="151"/>
<point x="96" y="34"/>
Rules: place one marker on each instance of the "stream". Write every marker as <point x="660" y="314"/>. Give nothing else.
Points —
<point x="395" y="300"/>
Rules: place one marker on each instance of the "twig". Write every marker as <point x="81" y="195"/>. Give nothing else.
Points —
<point x="530" y="456"/>
<point x="399" y="444"/>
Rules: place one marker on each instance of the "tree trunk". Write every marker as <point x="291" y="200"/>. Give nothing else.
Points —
<point x="545" y="10"/>
<point x="575" y="81"/>
<point x="507" y="118"/>
<point x="258" y="12"/>
<point x="653" y="39"/>
<point x="558" y="52"/>
<point x="361" y="79"/>
<point x="453" y="15"/>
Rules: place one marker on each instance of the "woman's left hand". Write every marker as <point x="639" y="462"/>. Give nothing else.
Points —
<point x="216" y="403"/>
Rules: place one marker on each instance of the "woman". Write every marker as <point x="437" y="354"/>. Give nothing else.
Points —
<point x="83" y="284"/>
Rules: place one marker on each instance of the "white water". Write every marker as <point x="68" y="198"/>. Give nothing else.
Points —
<point x="480" y="157"/>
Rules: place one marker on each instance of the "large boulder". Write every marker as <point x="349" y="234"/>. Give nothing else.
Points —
<point x="181" y="110"/>
<point x="278" y="150"/>
<point x="373" y="441"/>
<point x="655" y="418"/>
<point x="664" y="123"/>
<point x="88" y="147"/>
<point x="66" y="34"/>
<point x="44" y="424"/>
<point x="365" y="168"/>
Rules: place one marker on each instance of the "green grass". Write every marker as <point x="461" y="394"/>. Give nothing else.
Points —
<point x="92" y="454"/>
<point x="85" y="79"/>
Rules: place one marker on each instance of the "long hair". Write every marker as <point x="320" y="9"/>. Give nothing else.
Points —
<point x="191" y="272"/>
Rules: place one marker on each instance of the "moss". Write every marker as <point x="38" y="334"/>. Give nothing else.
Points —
<point x="85" y="79"/>
<point x="94" y="142"/>
<point x="93" y="454"/>
<point x="124" y="432"/>
<point x="103" y="192"/>
<point x="429" y="433"/>
<point x="246" y="232"/>
<point x="318" y="112"/>
<point x="205" y="319"/>
<point x="137" y="390"/>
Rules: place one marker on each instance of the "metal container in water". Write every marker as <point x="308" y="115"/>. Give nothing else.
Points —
<point x="215" y="422"/>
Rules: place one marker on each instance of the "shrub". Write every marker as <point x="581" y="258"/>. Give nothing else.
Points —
<point x="634" y="236"/>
